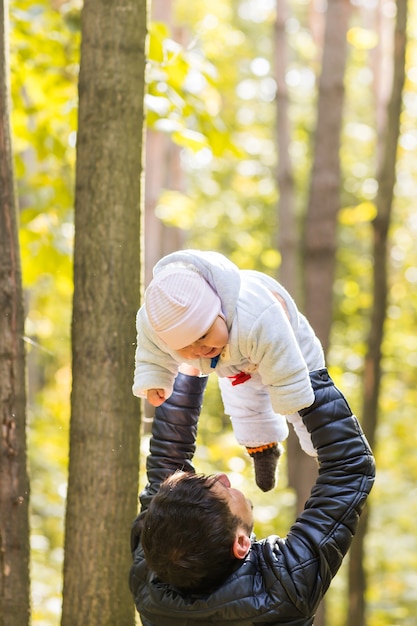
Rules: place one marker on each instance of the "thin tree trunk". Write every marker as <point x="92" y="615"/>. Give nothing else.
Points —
<point x="287" y="227"/>
<point x="14" y="483"/>
<point x="372" y="371"/>
<point x="163" y="171"/>
<point x="320" y="240"/>
<point x="104" y="432"/>
<point x="302" y="469"/>
<point x="320" y="236"/>
<point x="380" y="62"/>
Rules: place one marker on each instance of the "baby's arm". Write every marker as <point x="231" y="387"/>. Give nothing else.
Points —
<point x="273" y="346"/>
<point x="155" y="367"/>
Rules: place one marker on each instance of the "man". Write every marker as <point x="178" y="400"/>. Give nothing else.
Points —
<point x="202" y="565"/>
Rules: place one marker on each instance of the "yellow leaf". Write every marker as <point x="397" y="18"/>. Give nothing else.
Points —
<point x="271" y="258"/>
<point x="176" y="209"/>
<point x="362" y="38"/>
<point x="363" y="212"/>
<point x="190" y="139"/>
<point x="158" y="32"/>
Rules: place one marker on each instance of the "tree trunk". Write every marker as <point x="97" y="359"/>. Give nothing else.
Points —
<point x="14" y="483"/>
<point x="302" y="469"/>
<point x="104" y="431"/>
<point x="287" y="230"/>
<point x="320" y="240"/>
<point x="163" y="171"/>
<point x="320" y="236"/>
<point x="372" y="371"/>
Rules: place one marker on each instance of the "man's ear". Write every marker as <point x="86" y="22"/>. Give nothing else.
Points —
<point x="241" y="544"/>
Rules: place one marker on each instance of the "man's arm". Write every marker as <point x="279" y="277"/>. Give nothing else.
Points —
<point x="174" y="432"/>
<point x="172" y="443"/>
<point x="317" y="543"/>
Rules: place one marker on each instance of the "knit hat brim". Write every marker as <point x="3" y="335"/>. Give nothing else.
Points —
<point x="181" y="306"/>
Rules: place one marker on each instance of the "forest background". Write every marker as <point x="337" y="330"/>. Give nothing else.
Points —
<point x="210" y="183"/>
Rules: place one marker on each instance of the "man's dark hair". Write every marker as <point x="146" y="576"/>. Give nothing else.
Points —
<point x="188" y="534"/>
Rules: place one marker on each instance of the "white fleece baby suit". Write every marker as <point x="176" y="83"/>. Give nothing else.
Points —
<point x="269" y="339"/>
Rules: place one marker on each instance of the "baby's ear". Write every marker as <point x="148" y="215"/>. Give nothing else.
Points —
<point x="241" y="544"/>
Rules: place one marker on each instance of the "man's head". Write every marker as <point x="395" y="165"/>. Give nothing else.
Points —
<point x="196" y="530"/>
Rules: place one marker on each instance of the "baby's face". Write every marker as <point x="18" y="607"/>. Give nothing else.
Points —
<point x="210" y="344"/>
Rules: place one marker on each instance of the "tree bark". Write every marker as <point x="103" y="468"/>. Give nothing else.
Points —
<point x="14" y="483"/>
<point x="372" y="371"/>
<point x="104" y="431"/>
<point x="320" y="237"/>
<point x="163" y="171"/>
<point x="287" y="232"/>
<point x="159" y="238"/>
<point x="302" y="469"/>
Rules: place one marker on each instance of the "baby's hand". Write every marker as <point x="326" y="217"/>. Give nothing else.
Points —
<point x="155" y="396"/>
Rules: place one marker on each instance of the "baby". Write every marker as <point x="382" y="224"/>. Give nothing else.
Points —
<point x="241" y="324"/>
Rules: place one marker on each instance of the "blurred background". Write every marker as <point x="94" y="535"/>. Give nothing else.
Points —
<point x="247" y="104"/>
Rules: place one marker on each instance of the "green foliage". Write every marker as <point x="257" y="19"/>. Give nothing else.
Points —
<point x="213" y="93"/>
<point x="229" y="192"/>
<point x="182" y="97"/>
<point x="229" y="203"/>
<point x="44" y="73"/>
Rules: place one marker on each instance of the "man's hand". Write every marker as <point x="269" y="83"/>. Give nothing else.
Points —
<point x="156" y="397"/>
<point x="185" y="368"/>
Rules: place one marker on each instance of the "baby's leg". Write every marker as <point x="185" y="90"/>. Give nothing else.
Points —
<point x="256" y="427"/>
<point x="265" y="462"/>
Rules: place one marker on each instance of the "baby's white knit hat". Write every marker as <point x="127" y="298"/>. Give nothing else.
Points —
<point x="181" y="306"/>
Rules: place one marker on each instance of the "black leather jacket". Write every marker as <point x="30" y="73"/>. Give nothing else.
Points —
<point x="281" y="581"/>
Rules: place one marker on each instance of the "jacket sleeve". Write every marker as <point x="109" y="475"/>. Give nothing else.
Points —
<point x="172" y="443"/>
<point x="320" y="538"/>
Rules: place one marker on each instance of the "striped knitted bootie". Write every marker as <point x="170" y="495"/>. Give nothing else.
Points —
<point x="265" y="460"/>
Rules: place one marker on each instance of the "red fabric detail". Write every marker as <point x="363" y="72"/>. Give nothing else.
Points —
<point x="240" y="378"/>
